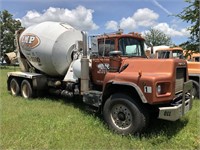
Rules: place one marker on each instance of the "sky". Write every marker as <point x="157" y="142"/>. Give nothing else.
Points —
<point x="105" y="16"/>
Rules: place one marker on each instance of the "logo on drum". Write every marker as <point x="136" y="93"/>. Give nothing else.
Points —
<point x="29" y="41"/>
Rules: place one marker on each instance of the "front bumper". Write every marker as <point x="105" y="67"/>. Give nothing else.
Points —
<point x="176" y="111"/>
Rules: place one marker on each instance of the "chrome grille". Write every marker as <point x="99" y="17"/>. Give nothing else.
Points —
<point x="180" y="79"/>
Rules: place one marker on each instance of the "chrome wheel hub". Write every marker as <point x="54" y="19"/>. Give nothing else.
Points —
<point x="121" y="116"/>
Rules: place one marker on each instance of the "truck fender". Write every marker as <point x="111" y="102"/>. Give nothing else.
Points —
<point x="107" y="89"/>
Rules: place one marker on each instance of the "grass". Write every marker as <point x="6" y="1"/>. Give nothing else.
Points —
<point x="56" y="123"/>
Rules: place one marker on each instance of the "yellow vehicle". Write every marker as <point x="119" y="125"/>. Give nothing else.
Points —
<point x="194" y="71"/>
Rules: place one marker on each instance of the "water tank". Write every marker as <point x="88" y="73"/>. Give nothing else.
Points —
<point x="48" y="46"/>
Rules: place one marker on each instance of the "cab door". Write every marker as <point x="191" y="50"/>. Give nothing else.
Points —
<point x="100" y="63"/>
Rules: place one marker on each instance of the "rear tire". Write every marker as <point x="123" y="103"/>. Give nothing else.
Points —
<point x="26" y="89"/>
<point x="14" y="87"/>
<point x="123" y="115"/>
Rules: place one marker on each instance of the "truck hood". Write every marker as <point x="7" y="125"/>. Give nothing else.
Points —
<point x="147" y="73"/>
<point x="153" y="66"/>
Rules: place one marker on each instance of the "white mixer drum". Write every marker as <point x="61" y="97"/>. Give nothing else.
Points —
<point x="48" y="46"/>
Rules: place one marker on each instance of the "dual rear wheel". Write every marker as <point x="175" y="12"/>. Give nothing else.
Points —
<point x="24" y="87"/>
<point x="14" y="87"/>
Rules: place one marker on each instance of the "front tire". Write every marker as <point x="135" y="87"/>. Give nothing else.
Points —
<point x="26" y="89"/>
<point x="123" y="115"/>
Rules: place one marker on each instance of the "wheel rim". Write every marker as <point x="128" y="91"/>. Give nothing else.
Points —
<point x="121" y="116"/>
<point x="25" y="91"/>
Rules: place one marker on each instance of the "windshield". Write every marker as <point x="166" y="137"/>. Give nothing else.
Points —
<point x="163" y="54"/>
<point x="166" y="54"/>
<point x="177" y="54"/>
<point x="131" y="47"/>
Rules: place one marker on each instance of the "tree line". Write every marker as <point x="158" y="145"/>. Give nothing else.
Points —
<point x="9" y="25"/>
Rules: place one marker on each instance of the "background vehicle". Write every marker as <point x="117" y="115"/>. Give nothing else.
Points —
<point x="194" y="72"/>
<point x="114" y="78"/>
<point x="11" y="58"/>
<point x="196" y="57"/>
<point x="193" y="63"/>
<point x="151" y="51"/>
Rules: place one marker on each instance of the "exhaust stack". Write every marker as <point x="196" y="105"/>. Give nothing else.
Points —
<point x="84" y="66"/>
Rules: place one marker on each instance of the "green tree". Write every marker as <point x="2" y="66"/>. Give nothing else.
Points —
<point x="191" y="14"/>
<point x="156" y="37"/>
<point x="8" y="26"/>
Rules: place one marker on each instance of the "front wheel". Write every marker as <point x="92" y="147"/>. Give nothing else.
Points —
<point x="26" y="89"/>
<point x="123" y="115"/>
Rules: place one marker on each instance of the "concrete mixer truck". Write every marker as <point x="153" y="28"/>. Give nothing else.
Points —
<point x="114" y="77"/>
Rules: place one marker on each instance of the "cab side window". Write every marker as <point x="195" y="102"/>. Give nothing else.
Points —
<point x="163" y="54"/>
<point x="106" y="46"/>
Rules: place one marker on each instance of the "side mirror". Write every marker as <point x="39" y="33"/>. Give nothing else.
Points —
<point x="115" y="53"/>
<point x="115" y="61"/>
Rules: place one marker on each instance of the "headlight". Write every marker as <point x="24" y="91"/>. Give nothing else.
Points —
<point x="159" y="89"/>
<point x="163" y="89"/>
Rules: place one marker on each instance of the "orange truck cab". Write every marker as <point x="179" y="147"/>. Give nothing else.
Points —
<point x="133" y="84"/>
